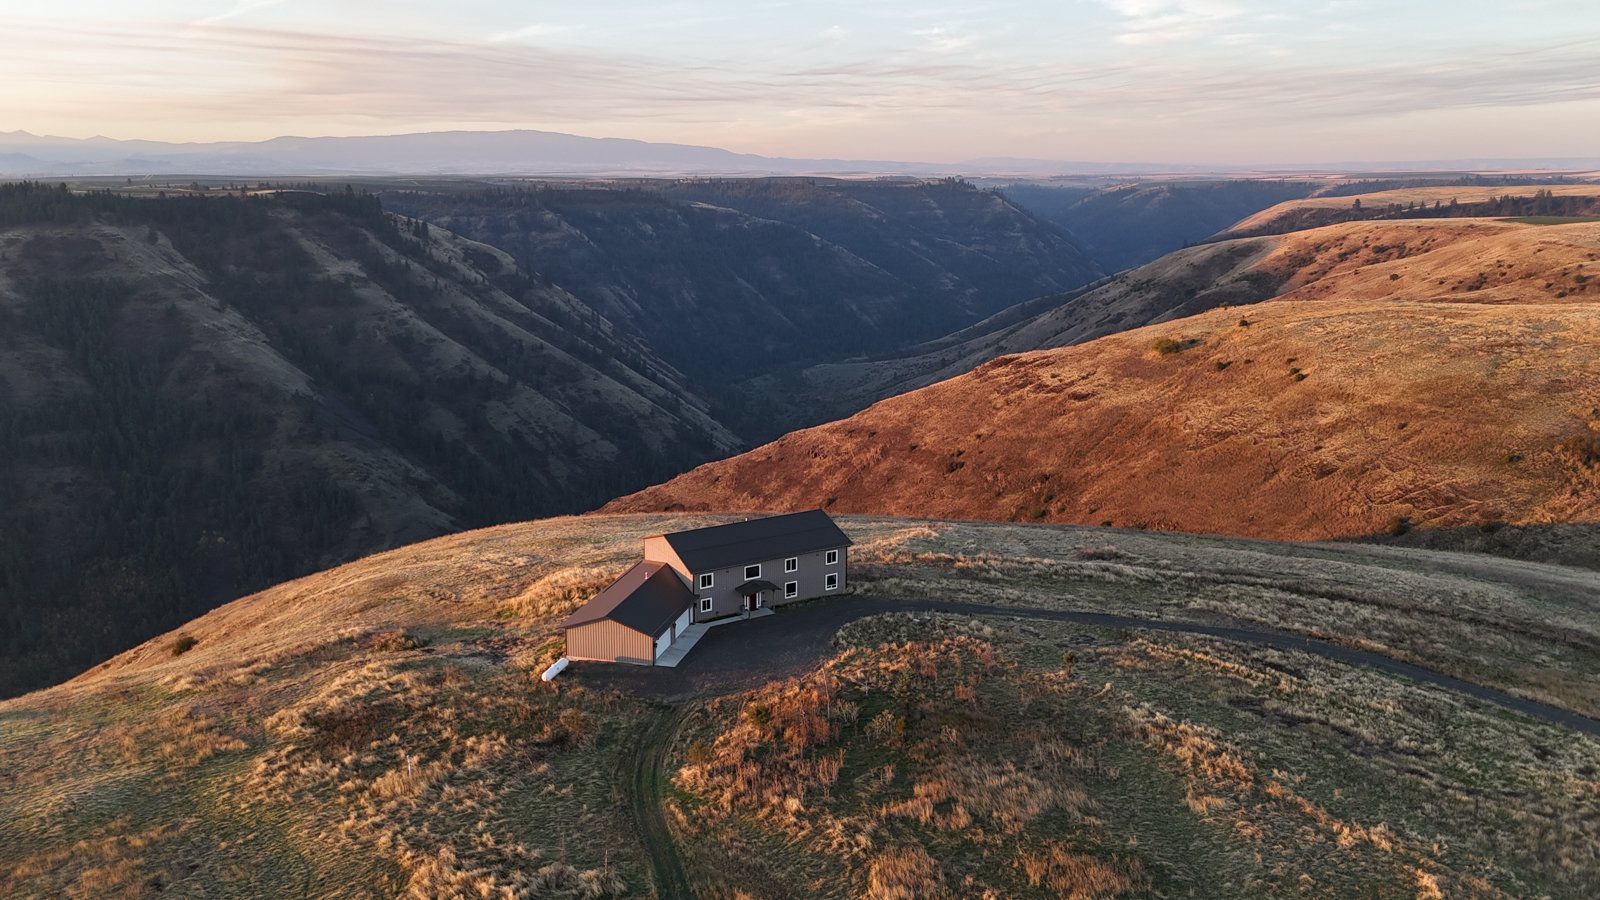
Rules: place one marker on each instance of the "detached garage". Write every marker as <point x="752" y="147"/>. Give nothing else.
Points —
<point x="634" y="620"/>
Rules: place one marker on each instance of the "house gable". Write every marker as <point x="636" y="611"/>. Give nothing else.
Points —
<point x="647" y="599"/>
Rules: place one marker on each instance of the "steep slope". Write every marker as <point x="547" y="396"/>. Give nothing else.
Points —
<point x="200" y="397"/>
<point x="379" y="730"/>
<point x="1431" y="259"/>
<point x="1129" y="225"/>
<point x="730" y="279"/>
<point x="1421" y="388"/>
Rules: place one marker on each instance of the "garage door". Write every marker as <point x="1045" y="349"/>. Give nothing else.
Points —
<point x="663" y="642"/>
<point x="681" y="624"/>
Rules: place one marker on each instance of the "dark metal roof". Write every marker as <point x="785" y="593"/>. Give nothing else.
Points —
<point x="749" y="588"/>
<point x="647" y="598"/>
<point x="756" y="540"/>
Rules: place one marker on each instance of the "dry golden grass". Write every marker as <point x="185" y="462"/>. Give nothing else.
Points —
<point x="1439" y="380"/>
<point x="766" y="765"/>
<point x="1167" y="767"/>
<point x="379" y="727"/>
<point x="1404" y="196"/>
<point x="904" y="873"/>
<point x="1075" y="876"/>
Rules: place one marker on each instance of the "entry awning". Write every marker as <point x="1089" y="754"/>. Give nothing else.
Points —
<point x="751" y="588"/>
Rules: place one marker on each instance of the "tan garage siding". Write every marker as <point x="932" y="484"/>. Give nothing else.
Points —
<point x="610" y="642"/>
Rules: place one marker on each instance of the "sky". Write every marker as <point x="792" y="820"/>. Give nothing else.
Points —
<point x="1233" y="82"/>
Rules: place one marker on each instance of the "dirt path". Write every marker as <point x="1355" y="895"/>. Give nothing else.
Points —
<point x="644" y="782"/>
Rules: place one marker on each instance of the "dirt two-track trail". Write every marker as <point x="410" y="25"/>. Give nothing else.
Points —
<point x="728" y="660"/>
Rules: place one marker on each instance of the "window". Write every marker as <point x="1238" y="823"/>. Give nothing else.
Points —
<point x="791" y="589"/>
<point x="791" y="564"/>
<point x="752" y="572"/>
<point x="832" y="558"/>
<point x="706" y="580"/>
<point x="832" y="583"/>
<point x="705" y="603"/>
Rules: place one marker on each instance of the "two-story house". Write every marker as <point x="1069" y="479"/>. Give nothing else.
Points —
<point x="707" y="574"/>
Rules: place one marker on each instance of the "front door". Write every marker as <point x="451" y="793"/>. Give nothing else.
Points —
<point x="752" y="603"/>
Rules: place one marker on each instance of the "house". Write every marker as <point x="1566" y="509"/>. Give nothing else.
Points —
<point x="706" y="575"/>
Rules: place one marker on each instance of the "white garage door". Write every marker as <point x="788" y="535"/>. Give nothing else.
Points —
<point x="663" y="642"/>
<point x="682" y="623"/>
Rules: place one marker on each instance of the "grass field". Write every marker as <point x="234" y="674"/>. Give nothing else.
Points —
<point x="379" y="730"/>
<point x="938" y="756"/>
<point x="1552" y="220"/>
<point x="1426" y="195"/>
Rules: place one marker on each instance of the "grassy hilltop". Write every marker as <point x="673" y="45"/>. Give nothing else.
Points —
<point x="379" y="729"/>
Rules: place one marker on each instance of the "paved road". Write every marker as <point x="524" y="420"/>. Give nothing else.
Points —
<point x="747" y="654"/>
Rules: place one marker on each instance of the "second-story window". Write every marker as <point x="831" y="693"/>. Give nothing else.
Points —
<point x="706" y="580"/>
<point x="832" y="558"/>
<point x="752" y="572"/>
<point x="791" y="564"/>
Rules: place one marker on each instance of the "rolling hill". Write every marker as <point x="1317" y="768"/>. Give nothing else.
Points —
<point x="1423" y="202"/>
<point x="1128" y="225"/>
<point x="1441" y="260"/>
<point x="199" y="397"/>
<point x="1418" y="375"/>
<point x="379" y="730"/>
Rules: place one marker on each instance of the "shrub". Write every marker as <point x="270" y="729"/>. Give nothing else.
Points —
<point x="1223" y="364"/>
<point x="1585" y="448"/>
<point x="758" y="714"/>
<point x="183" y="644"/>
<point x="1400" y="525"/>
<point x="1244" y="323"/>
<point x="394" y="641"/>
<point x="1166" y="345"/>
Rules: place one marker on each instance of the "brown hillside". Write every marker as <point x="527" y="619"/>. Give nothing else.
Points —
<point x="1337" y="418"/>
<point x="1274" y="218"/>
<point x="1457" y="260"/>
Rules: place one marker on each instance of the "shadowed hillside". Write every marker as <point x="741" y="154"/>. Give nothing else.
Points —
<point x="199" y="397"/>
<point x="1428" y="260"/>
<point x="1448" y="376"/>
<point x="731" y="281"/>
<point x="1129" y="225"/>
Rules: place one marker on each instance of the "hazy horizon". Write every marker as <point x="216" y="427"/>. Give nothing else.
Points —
<point x="1182" y="82"/>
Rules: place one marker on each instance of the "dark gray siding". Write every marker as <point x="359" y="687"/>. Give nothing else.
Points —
<point x="810" y="580"/>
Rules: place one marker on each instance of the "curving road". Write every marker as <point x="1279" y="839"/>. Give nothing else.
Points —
<point x="749" y="654"/>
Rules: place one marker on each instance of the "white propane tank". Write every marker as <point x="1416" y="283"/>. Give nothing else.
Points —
<point x="556" y="668"/>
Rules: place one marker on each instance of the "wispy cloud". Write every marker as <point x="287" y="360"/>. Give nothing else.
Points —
<point x="945" y="39"/>
<point x="536" y="30"/>
<point x="255" y="82"/>
<point x="240" y="8"/>
<point x="1167" y="21"/>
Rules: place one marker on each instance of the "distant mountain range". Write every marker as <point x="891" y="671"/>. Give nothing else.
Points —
<point x="526" y="152"/>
